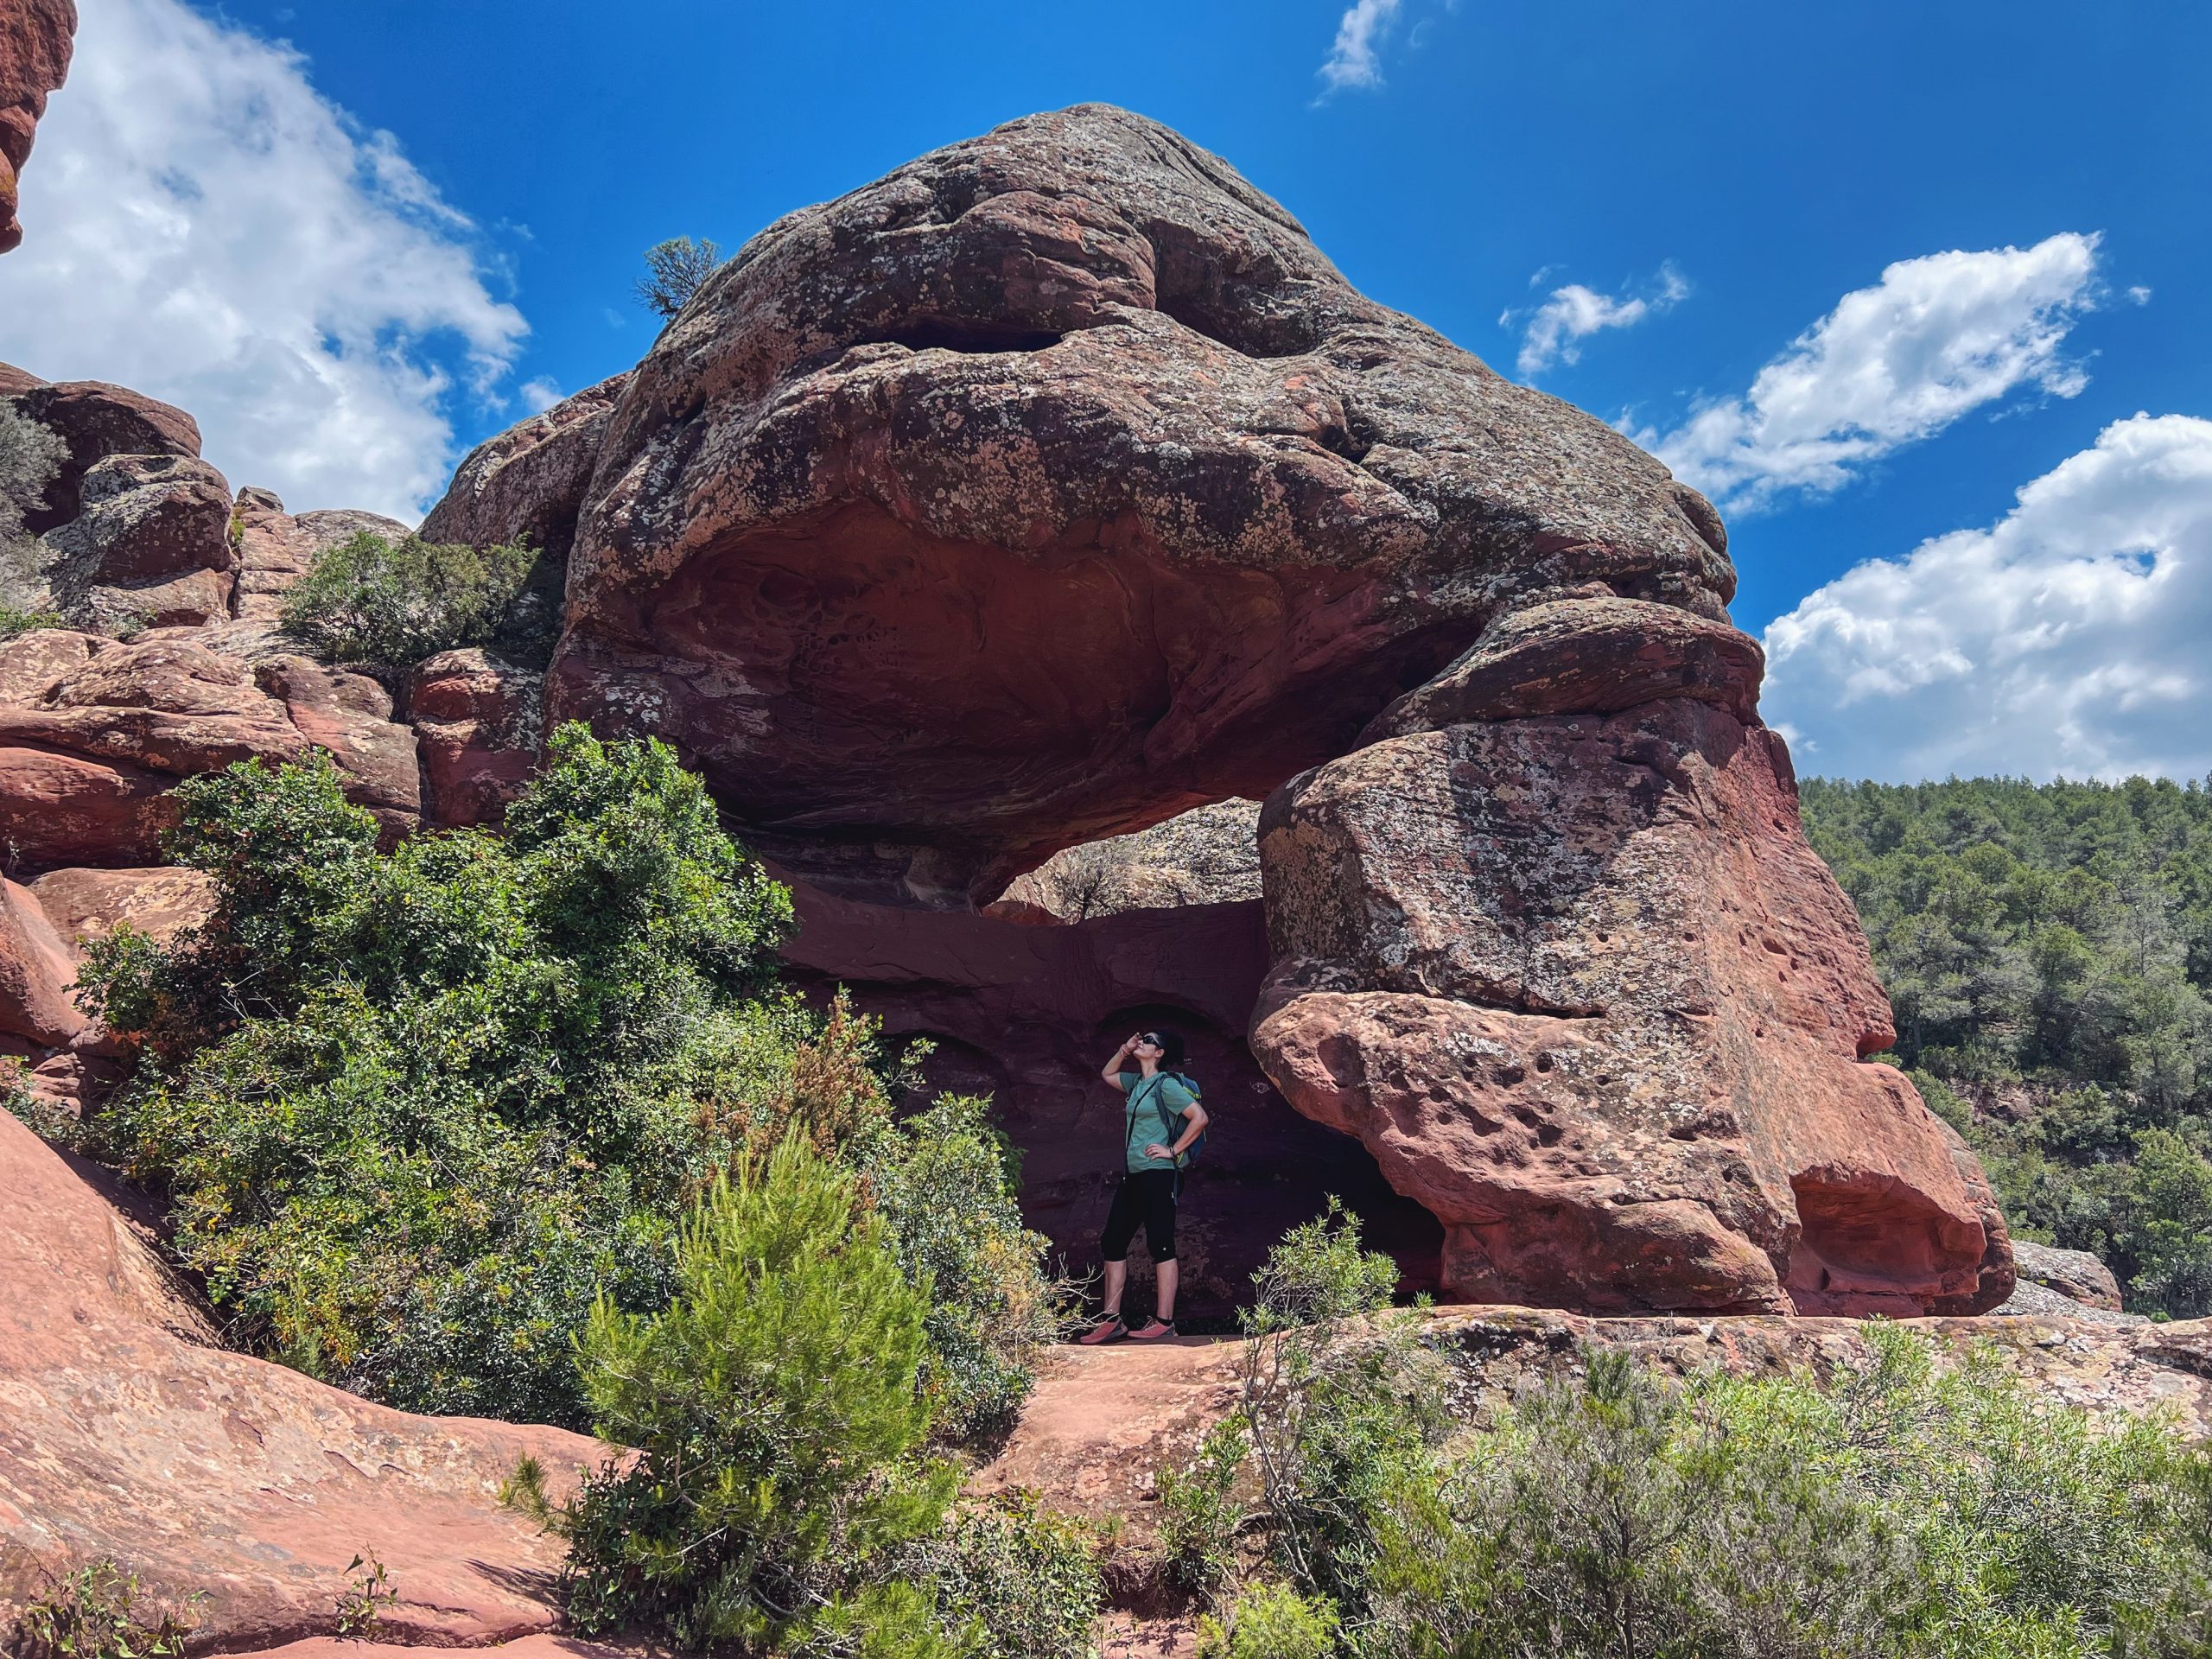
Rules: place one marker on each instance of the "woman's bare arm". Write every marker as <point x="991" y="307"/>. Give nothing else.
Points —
<point x="1112" y="1071"/>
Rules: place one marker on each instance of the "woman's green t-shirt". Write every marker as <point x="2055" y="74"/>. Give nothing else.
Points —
<point x="1144" y="1102"/>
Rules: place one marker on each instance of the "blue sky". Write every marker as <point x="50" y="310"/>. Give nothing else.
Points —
<point x="422" y="217"/>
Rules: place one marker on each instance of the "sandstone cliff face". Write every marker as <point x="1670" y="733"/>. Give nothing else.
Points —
<point x="36" y="37"/>
<point x="1054" y="484"/>
<point x="127" y="1433"/>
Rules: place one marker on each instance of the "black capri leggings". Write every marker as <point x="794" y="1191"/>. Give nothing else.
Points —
<point x="1147" y="1195"/>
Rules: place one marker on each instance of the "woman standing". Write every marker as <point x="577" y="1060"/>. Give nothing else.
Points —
<point x="1160" y="1121"/>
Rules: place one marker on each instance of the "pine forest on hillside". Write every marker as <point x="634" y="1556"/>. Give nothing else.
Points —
<point x="2049" y="950"/>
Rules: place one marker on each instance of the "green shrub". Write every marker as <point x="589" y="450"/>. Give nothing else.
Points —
<point x="674" y="270"/>
<point x="947" y="1184"/>
<point x="1907" y="1509"/>
<point x="95" y="1611"/>
<point x="14" y="621"/>
<point x="370" y="599"/>
<point x="1015" y="1579"/>
<point x="1338" y="1395"/>
<point x="1200" y="1513"/>
<point x="414" y="1110"/>
<point x="776" y="1423"/>
<point x="1271" y="1621"/>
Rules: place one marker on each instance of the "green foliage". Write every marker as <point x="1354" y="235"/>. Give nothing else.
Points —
<point x="2051" y="945"/>
<point x="416" y="1111"/>
<point x="361" y="1604"/>
<point x="31" y="453"/>
<point x="1200" y="1512"/>
<point x="948" y="1184"/>
<point x="14" y="621"/>
<point x="1015" y="1579"/>
<point x="773" y="1408"/>
<point x="1271" y="1621"/>
<point x="1338" y="1397"/>
<point x="374" y="600"/>
<point x="95" y="1612"/>
<point x="1907" y="1509"/>
<point x="674" y="270"/>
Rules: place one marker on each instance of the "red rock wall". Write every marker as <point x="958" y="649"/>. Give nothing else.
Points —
<point x="36" y="37"/>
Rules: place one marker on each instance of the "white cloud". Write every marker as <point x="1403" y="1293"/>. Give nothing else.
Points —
<point x="2068" y="638"/>
<point x="1355" y="58"/>
<point x="1573" y="312"/>
<point x="1893" y="363"/>
<point x="541" y="394"/>
<point x="214" y="232"/>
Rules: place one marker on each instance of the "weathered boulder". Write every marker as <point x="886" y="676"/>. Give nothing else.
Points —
<point x="36" y="37"/>
<point x="1209" y="855"/>
<point x="149" y="546"/>
<point x="2078" y="1275"/>
<point x="528" y="484"/>
<point x="92" y="734"/>
<point x="209" y="1472"/>
<point x="1051" y="485"/>
<point x="1591" y="654"/>
<point x="1580" y="985"/>
<point x="479" y="726"/>
<point x="36" y="971"/>
<point x="94" y="421"/>
<point x="275" y="548"/>
<point x="85" y="906"/>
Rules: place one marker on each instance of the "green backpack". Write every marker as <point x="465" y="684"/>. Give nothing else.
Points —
<point x="1170" y="1123"/>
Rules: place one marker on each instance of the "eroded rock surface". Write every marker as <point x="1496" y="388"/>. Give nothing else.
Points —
<point x="36" y="37"/>
<point x="2077" y="1275"/>
<point x="149" y="546"/>
<point x="93" y="732"/>
<point x="479" y="725"/>
<point x="1209" y="855"/>
<point x="1051" y="485"/>
<point x="94" y="421"/>
<point x="208" y="1472"/>
<point x="1580" y="985"/>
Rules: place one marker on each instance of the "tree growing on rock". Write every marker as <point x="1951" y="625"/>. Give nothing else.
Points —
<point x="674" y="270"/>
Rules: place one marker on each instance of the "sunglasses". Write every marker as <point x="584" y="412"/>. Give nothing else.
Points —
<point x="1151" y="1039"/>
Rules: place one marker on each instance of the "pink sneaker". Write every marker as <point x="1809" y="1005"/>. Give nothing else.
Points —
<point x="1109" y="1329"/>
<point x="1153" y="1332"/>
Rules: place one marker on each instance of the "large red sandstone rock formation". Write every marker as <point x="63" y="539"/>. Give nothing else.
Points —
<point x="36" y="37"/>
<point x="1057" y="483"/>
<point x="127" y="1433"/>
<point x="1050" y="486"/>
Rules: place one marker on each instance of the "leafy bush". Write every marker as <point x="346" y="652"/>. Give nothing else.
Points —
<point x="95" y="1612"/>
<point x="947" y="1184"/>
<point x="370" y="600"/>
<point x="31" y="453"/>
<point x="1338" y="1397"/>
<point x="1200" y="1513"/>
<point x="415" y="1110"/>
<point x="1012" y="1579"/>
<point x="1906" y="1509"/>
<point x="1271" y="1621"/>
<point x="776" y="1421"/>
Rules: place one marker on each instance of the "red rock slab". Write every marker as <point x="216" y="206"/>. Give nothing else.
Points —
<point x="528" y="484"/>
<point x="88" y="904"/>
<point x="1584" y="990"/>
<point x="275" y="548"/>
<point x="1593" y="654"/>
<point x="35" y="38"/>
<point x="208" y="1472"/>
<point x="527" y="1647"/>
<point x="92" y="734"/>
<point x="1051" y="485"/>
<point x="479" y="725"/>
<point x="37" y="968"/>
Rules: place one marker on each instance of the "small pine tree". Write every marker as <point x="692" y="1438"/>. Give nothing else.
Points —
<point x="674" y="270"/>
<point x="773" y="1409"/>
